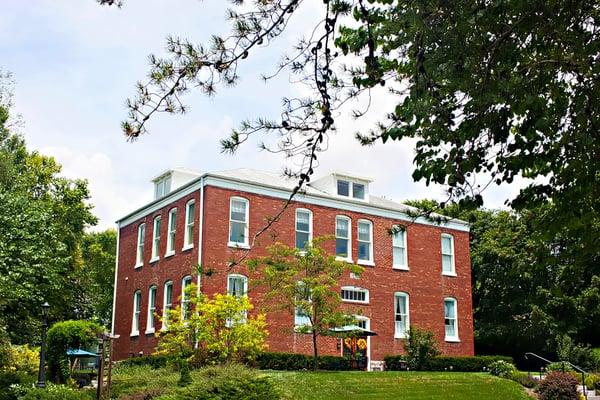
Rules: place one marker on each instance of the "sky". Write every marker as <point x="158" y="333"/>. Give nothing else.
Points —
<point x="75" y="63"/>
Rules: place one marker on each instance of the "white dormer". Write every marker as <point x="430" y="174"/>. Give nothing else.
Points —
<point x="343" y="184"/>
<point x="170" y="180"/>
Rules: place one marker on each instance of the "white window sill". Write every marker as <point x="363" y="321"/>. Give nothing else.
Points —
<point x="399" y="336"/>
<point x="368" y="263"/>
<point x="134" y="334"/>
<point x="136" y="266"/>
<point x="452" y="274"/>
<point x="154" y="259"/>
<point x="238" y="245"/>
<point x="401" y="267"/>
<point x="452" y="340"/>
<point x="170" y="254"/>
<point x="354" y="301"/>
<point x="187" y="247"/>
<point x="149" y="331"/>
<point x="345" y="259"/>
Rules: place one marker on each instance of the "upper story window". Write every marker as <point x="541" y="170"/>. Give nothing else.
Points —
<point x="162" y="186"/>
<point x="139" y="259"/>
<point x="167" y="303"/>
<point x="448" y="255"/>
<point x="365" y="242"/>
<point x="188" y="240"/>
<point x="172" y="230"/>
<point x="237" y="285"/>
<point x="401" y="315"/>
<point x="156" y="238"/>
<point x="303" y="228"/>
<point x="137" y="306"/>
<point x="399" y="248"/>
<point x="150" y="321"/>
<point x="343" y="244"/>
<point x="355" y="294"/>
<point x="185" y="297"/>
<point x="450" y="319"/>
<point x="351" y="189"/>
<point x="303" y="299"/>
<point x="238" y="222"/>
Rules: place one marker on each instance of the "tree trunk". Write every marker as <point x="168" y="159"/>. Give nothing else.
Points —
<point x="315" y="350"/>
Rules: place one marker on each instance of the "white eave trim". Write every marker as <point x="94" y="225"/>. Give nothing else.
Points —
<point x="345" y="204"/>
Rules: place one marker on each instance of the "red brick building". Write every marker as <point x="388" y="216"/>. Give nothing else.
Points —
<point x="419" y="275"/>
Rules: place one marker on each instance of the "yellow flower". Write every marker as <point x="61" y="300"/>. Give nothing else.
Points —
<point x="362" y="344"/>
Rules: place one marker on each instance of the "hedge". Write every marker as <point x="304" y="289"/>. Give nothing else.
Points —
<point x="447" y="363"/>
<point x="154" y="361"/>
<point x="295" y="362"/>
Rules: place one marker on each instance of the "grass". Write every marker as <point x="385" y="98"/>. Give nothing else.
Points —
<point x="342" y="385"/>
<point x="404" y="385"/>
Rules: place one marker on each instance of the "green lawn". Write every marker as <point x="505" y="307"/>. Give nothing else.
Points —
<point x="397" y="385"/>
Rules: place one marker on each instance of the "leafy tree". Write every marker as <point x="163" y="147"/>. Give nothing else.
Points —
<point x="306" y="280"/>
<point x="219" y="330"/>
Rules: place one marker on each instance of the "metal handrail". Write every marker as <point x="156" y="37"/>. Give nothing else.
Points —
<point x="575" y="367"/>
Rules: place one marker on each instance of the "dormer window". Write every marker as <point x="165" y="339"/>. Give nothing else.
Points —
<point x="351" y="189"/>
<point x="162" y="186"/>
<point x="343" y="188"/>
<point x="358" y="191"/>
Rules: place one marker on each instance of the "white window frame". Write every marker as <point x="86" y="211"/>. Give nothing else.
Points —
<point x="454" y="338"/>
<point x="348" y="257"/>
<point x="351" y="183"/>
<point x="399" y="335"/>
<point x="370" y="261"/>
<point x="243" y="244"/>
<point x="150" y="320"/>
<point x="244" y="279"/>
<point x="310" y="226"/>
<point x="404" y="265"/>
<point x="141" y="238"/>
<point x="453" y="271"/>
<point x="301" y="320"/>
<point x="355" y="289"/>
<point x="185" y="299"/>
<point x="137" y="310"/>
<point x="156" y="225"/>
<point x="188" y="237"/>
<point x="166" y="306"/>
<point x="171" y="233"/>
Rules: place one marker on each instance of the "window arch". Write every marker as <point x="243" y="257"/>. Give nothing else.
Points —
<point x="401" y="314"/>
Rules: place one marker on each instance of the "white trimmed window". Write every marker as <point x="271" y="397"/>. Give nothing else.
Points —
<point x="450" y="319"/>
<point x="365" y="242"/>
<point x="354" y="294"/>
<point x="238" y="222"/>
<point x="237" y="286"/>
<point x="139" y="258"/>
<point x="150" y="321"/>
<point x="343" y="243"/>
<point x="185" y="297"/>
<point x="172" y="230"/>
<point x="401" y="314"/>
<point x="301" y="315"/>
<point x="448" y="254"/>
<point x="399" y="248"/>
<point x="351" y="189"/>
<point x="303" y="228"/>
<point x="135" y="320"/>
<point x="156" y="238"/>
<point x="167" y="303"/>
<point x="188" y="241"/>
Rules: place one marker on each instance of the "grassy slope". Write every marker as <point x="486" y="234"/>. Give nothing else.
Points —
<point x="404" y="385"/>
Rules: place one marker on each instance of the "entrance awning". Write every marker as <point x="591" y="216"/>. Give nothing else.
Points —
<point x="350" y="331"/>
<point x="78" y="353"/>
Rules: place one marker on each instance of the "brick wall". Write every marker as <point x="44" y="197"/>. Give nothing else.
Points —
<point x="424" y="283"/>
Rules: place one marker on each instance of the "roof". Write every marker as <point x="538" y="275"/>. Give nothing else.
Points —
<point x="274" y="180"/>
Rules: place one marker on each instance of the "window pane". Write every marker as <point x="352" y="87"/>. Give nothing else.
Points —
<point x="446" y="245"/>
<point x="169" y="296"/>
<point x="238" y="210"/>
<point x="341" y="227"/>
<point x="358" y="191"/>
<point x="364" y="231"/>
<point x="447" y="263"/>
<point x="364" y="251"/>
<point x="343" y="188"/>
<point x="450" y="328"/>
<point x="238" y="232"/>
<point x="190" y="213"/>
<point x="341" y="247"/>
<point x="172" y="217"/>
<point x="301" y="239"/>
<point x="157" y="227"/>
<point x="449" y="309"/>
<point x="398" y="239"/>
<point x="398" y="256"/>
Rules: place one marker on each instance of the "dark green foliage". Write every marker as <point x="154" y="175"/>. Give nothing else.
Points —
<point x="559" y="367"/>
<point x="13" y="378"/>
<point x="185" y="378"/>
<point x="55" y="392"/>
<point x="558" y="386"/>
<point x="524" y="379"/>
<point x="577" y="354"/>
<point x="447" y="363"/>
<point x="298" y="362"/>
<point x="502" y="369"/>
<point x="420" y="347"/>
<point x="154" y="361"/>
<point x="68" y="335"/>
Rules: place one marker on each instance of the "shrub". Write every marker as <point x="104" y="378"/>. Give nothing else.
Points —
<point x="448" y="363"/>
<point x="578" y="354"/>
<point x="420" y="347"/>
<point x="591" y="381"/>
<point x="558" y="386"/>
<point x="52" y="392"/>
<point x="297" y="362"/>
<point x="559" y="367"/>
<point x="154" y="361"/>
<point x="228" y="382"/>
<point x="524" y="379"/>
<point x="502" y="369"/>
<point x="68" y="335"/>
<point x="24" y="359"/>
